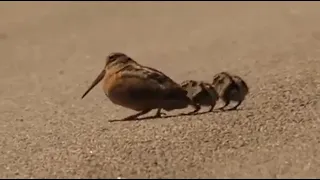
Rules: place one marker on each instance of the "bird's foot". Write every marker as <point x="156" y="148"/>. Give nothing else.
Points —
<point x="192" y="112"/>
<point x="159" y="114"/>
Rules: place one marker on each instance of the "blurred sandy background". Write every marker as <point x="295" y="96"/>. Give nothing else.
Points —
<point x="51" y="51"/>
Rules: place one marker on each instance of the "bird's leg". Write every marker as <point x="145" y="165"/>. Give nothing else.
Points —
<point x="212" y="106"/>
<point x="236" y="106"/>
<point x="196" y="109"/>
<point x="159" y="113"/>
<point x="211" y="94"/>
<point x="227" y="102"/>
<point x="132" y="117"/>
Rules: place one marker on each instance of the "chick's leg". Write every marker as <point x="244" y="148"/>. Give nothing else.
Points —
<point x="159" y="113"/>
<point x="196" y="108"/>
<point x="236" y="106"/>
<point x="212" y="106"/>
<point x="227" y="102"/>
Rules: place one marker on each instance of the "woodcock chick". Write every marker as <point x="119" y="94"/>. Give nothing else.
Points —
<point x="202" y="94"/>
<point x="230" y="88"/>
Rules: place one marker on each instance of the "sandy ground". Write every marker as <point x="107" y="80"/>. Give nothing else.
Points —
<point x="51" y="51"/>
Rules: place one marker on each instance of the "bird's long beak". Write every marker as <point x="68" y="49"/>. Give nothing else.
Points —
<point x="95" y="82"/>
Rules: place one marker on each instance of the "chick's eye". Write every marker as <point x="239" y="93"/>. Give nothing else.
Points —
<point x="215" y="79"/>
<point x="183" y="84"/>
<point x="220" y="81"/>
<point x="193" y="83"/>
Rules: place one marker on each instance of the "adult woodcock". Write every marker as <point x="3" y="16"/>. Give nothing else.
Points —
<point x="132" y="85"/>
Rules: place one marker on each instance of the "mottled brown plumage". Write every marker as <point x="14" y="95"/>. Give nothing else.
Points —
<point x="132" y="85"/>
<point x="201" y="93"/>
<point x="230" y="88"/>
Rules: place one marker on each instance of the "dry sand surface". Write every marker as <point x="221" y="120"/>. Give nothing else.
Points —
<point x="51" y="51"/>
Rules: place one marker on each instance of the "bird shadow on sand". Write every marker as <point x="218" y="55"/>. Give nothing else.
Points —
<point x="177" y="115"/>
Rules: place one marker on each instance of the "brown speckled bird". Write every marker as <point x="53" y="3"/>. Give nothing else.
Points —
<point x="132" y="85"/>
<point x="230" y="88"/>
<point x="201" y="93"/>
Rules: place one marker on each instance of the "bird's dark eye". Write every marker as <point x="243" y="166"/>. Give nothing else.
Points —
<point x="193" y="83"/>
<point x="113" y="56"/>
<point x="184" y="83"/>
<point x="216" y="79"/>
<point x="220" y="81"/>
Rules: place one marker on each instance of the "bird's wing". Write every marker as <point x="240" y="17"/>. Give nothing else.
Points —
<point x="243" y="85"/>
<point x="154" y="82"/>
